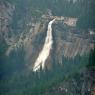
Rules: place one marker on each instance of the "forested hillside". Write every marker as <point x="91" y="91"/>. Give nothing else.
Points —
<point x="70" y="67"/>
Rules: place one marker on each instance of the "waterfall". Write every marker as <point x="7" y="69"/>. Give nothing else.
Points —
<point x="43" y="55"/>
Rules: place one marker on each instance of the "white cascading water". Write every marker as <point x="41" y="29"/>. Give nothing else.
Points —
<point x="43" y="55"/>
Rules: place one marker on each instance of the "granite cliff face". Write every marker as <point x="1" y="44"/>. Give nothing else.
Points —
<point x="6" y="14"/>
<point x="68" y="41"/>
<point x="27" y="34"/>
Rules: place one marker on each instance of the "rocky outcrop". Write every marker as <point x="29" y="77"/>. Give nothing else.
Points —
<point x="6" y="13"/>
<point x="73" y="42"/>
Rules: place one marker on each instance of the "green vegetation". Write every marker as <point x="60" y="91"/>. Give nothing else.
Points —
<point x="25" y="82"/>
<point x="84" y="10"/>
<point x="92" y="59"/>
